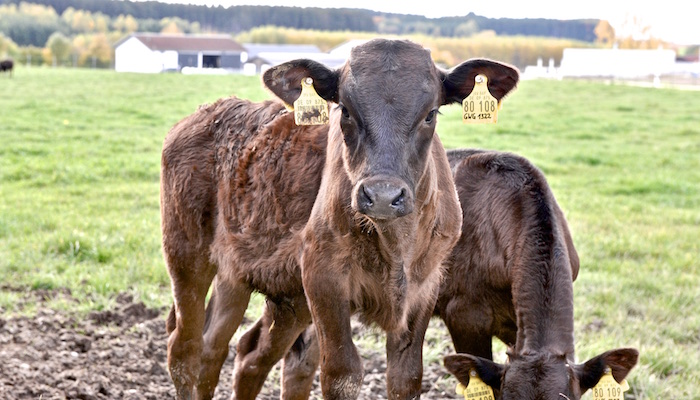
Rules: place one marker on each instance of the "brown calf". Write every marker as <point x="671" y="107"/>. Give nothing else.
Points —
<point x="511" y="221"/>
<point x="239" y="207"/>
<point x="510" y="276"/>
<point x="237" y="184"/>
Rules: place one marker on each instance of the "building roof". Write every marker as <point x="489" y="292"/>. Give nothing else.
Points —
<point x="344" y="49"/>
<point x="256" y="48"/>
<point x="273" y="58"/>
<point x="160" y="42"/>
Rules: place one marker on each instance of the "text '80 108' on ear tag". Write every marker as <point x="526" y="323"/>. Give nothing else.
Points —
<point x="310" y="108"/>
<point x="480" y="107"/>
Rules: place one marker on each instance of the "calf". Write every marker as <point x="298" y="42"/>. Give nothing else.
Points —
<point x="357" y="216"/>
<point x="387" y="213"/>
<point x="510" y="276"/>
<point x="7" y="66"/>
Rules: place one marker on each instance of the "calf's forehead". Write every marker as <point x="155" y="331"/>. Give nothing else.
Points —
<point x="388" y="68"/>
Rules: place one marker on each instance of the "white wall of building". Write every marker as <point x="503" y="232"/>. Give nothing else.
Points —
<point x="134" y="56"/>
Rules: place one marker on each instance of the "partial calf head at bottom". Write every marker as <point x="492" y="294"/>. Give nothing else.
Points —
<point x="542" y="376"/>
<point x="387" y="96"/>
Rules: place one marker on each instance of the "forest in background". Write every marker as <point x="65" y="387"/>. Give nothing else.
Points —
<point x="237" y="19"/>
<point x="84" y="32"/>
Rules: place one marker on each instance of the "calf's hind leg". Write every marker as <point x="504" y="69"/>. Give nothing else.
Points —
<point x="266" y="342"/>
<point x="300" y="365"/>
<point x="224" y="314"/>
<point x="191" y="277"/>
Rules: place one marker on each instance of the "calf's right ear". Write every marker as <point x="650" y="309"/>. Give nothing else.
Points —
<point x="620" y="362"/>
<point x="460" y="365"/>
<point x="284" y="80"/>
<point x="459" y="82"/>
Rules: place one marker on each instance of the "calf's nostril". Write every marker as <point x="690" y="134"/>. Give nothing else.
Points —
<point x="399" y="200"/>
<point x="368" y="195"/>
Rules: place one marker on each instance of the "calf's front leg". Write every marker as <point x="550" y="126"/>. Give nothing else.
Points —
<point x="404" y="349"/>
<point x="341" y="366"/>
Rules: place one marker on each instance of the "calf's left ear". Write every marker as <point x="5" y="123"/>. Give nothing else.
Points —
<point x="460" y="365"/>
<point x="458" y="82"/>
<point x="620" y="362"/>
<point x="284" y="80"/>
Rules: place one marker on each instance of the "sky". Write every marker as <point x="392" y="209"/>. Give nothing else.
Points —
<point x="676" y="21"/>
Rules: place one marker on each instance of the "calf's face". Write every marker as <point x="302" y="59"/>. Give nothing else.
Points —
<point x="387" y="95"/>
<point x="542" y="376"/>
<point x="388" y="101"/>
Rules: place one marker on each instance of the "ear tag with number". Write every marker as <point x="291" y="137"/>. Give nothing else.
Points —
<point x="480" y="107"/>
<point x="310" y="108"/>
<point x="608" y="388"/>
<point x="476" y="390"/>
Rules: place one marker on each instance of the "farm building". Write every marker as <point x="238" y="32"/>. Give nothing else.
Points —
<point x="620" y="63"/>
<point x="262" y="56"/>
<point x="153" y="53"/>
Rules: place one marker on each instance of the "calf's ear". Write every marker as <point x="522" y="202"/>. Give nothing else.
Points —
<point x="620" y="362"/>
<point x="459" y="81"/>
<point x="460" y="366"/>
<point x="284" y="80"/>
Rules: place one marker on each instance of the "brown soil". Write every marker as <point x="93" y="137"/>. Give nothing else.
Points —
<point x="121" y="354"/>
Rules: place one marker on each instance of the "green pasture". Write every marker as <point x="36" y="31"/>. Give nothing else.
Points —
<point x="79" y="171"/>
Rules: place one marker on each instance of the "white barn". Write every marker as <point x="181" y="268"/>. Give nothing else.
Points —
<point x="154" y="53"/>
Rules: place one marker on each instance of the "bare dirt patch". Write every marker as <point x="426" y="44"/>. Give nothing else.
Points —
<point x="121" y="354"/>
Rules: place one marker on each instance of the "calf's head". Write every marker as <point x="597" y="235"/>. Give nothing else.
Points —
<point x="542" y="376"/>
<point x="387" y="97"/>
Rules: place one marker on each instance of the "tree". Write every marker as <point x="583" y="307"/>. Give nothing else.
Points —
<point x="29" y="24"/>
<point x="466" y="29"/>
<point x="101" y="49"/>
<point x="58" y="46"/>
<point x="171" y="28"/>
<point x="635" y="33"/>
<point x="7" y="46"/>
<point x="605" y="33"/>
<point x="126" y="24"/>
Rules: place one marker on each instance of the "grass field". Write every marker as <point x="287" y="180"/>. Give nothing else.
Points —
<point x="79" y="171"/>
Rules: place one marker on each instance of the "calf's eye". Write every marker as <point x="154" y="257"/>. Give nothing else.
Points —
<point x="346" y="113"/>
<point x="431" y="116"/>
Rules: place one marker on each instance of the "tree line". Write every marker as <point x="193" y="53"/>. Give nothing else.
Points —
<point x="237" y="19"/>
<point x="35" y="33"/>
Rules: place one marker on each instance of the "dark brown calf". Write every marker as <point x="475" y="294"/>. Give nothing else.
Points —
<point x="240" y="208"/>
<point x="386" y="214"/>
<point x="510" y="276"/>
<point x="7" y="66"/>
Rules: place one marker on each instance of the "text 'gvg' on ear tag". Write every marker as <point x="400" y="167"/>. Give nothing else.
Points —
<point x="310" y="108"/>
<point x="476" y="390"/>
<point x="608" y="388"/>
<point x="480" y="107"/>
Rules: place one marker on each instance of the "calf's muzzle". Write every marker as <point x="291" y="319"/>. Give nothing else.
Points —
<point x="383" y="198"/>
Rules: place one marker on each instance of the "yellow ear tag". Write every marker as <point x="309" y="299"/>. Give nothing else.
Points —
<point x="310" y="108"/>
<point x="476" y="390"/>
<point x="480" y="107"/>
<point x="608" y="388"/>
